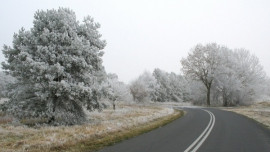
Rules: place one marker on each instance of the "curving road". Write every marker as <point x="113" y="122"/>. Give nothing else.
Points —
<point x="202" y="130"/>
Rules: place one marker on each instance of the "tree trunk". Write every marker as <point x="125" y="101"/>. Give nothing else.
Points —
<point x="52" y="119"/>
<point x="113" y="104"/>
<point x="225" y="100"/>
<point x="208" y="96"/>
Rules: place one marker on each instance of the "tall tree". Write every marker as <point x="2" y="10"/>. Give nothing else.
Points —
<point x="201" y="64"/>
<point x="58" y="66"/>
<point x="226" y="80"/>
<point x="250" y="73"/>
<point x="162" y="92"/>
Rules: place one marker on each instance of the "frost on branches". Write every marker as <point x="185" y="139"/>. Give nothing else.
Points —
<point x="232" y="76"/>
<point x="58" y="66"/>
<point x="143" y="88"/>
<point x="159" y="86"/>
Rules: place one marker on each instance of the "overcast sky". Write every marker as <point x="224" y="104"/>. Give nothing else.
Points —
<point x="146" y="34"/>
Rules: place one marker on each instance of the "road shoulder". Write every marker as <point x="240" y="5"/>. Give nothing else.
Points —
<point x="260" y="112"/>
<point x="105" y="128"/>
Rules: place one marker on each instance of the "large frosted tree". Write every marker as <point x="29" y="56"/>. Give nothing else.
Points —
<point x="227" y="85"/>
<point x="201" y="64"/>
<point x="58" y="66"/>
<point x="250" y="74"/>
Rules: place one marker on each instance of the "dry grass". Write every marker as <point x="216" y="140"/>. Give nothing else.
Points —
<point x="104" y="128"/>
<point x="259" y="112"/>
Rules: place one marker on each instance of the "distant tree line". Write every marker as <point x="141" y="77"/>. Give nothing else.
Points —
<point x="212" y="73"/>
<point x="159" y="86"/>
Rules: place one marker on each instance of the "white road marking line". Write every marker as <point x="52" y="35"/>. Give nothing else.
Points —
<point x="197" y="140"/>
<point x="207" y="134"/>
<point x="204" y="134"/>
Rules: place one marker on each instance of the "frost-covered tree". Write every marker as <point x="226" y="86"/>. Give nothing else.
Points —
<point x="237" y="76"/>
<point x="227" y="84"/>
<point x="172" y="87"/>
<point x="143" y="88"/>
<point x="240" y="77"/>
<point x="58" y="66"/>
<point x="138" y="91"/>
<point x="150" y="84"/>
<point x="162" y="92"/>
<point x="160" y="87"/>
<point x="201" y="64"/>
<point x="115" y="90"/>
<point x="250" y="73"/>
<point x="179" y="91"/>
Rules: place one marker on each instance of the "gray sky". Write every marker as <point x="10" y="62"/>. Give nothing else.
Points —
<point x="146" y="34"/>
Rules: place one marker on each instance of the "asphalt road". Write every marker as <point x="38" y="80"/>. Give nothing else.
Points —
<point x="202" y="130"/>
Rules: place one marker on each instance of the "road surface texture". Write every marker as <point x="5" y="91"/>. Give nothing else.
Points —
<point x="202" y="130"/>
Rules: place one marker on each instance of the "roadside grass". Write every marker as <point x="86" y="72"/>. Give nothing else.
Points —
<point x="104" y="129"/>
<point x="115" y="137"/>
<point x="259" y="112"/>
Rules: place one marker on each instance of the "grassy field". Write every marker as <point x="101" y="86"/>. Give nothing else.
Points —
<point x="105" y="128"/>
<point x="258" y="111"/>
